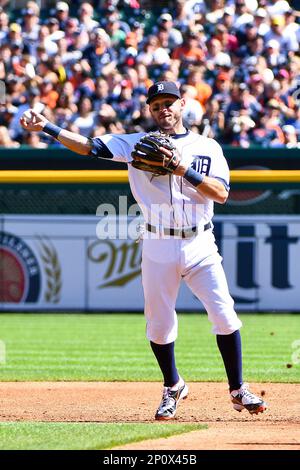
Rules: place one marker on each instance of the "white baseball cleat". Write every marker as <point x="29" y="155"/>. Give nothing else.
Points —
<point x="243" y="398"/>
<point x="170" y="399"/>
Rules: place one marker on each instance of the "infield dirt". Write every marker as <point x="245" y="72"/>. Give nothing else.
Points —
<point x="125" y="402"/>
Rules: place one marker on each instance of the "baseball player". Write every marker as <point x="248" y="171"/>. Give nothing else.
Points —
<point x="178" y="241"/>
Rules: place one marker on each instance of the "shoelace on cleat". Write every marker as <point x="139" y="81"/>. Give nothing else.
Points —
<point x="245" y="393"/>
<point x="167" y="395"/>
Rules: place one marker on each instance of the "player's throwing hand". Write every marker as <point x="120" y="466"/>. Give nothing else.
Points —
<point x="32" y="121"/>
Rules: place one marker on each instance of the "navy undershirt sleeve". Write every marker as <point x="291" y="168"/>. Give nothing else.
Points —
<point x="99" y="149"/>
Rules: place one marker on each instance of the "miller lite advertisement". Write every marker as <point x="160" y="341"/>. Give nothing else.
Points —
<point x="61" y="263"/>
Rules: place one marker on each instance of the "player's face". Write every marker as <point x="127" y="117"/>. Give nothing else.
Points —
<point x="167" y="112"/>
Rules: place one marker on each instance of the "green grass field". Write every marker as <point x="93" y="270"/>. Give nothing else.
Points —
<point x="114" y="347"/>
<point x="42" y="347"/>
<point x="83" y="436"/>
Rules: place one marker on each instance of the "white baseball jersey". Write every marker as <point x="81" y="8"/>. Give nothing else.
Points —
<point x="171" y="201"/>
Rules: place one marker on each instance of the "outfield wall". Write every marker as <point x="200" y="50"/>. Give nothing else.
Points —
<point x="56" y="157"/>
<point x="57" y="263"/>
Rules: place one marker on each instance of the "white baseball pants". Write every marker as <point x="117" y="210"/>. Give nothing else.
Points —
<point x="165" y="262"/>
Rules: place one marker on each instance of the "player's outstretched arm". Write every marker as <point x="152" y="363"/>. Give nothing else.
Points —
<point x="34" y="122"/>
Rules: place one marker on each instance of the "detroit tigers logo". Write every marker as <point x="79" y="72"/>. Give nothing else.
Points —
<point x="160" y="87"/>
<point x="201" y="164"/>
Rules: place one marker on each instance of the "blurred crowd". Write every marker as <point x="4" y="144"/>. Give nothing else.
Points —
<point x="90" y="65"/>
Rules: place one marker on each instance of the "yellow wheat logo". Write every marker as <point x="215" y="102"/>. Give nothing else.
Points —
<point x="52" y="270"/>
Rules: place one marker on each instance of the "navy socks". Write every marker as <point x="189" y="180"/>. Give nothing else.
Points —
<point x="165" y="356"/>
<point x="231" y="351"/>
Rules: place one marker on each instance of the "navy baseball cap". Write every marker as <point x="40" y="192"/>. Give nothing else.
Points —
<point x="163" y="88"/>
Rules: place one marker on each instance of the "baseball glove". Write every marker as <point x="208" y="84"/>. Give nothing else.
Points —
<point x="155" y="152"/>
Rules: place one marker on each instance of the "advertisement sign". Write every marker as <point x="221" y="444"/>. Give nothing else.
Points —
<point x="58" y="263"/>
<point x="261" y="261"/>
<point x="41" y="263"/>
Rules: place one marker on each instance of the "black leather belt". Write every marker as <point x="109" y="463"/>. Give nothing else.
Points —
<point x="177" y="232"/>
